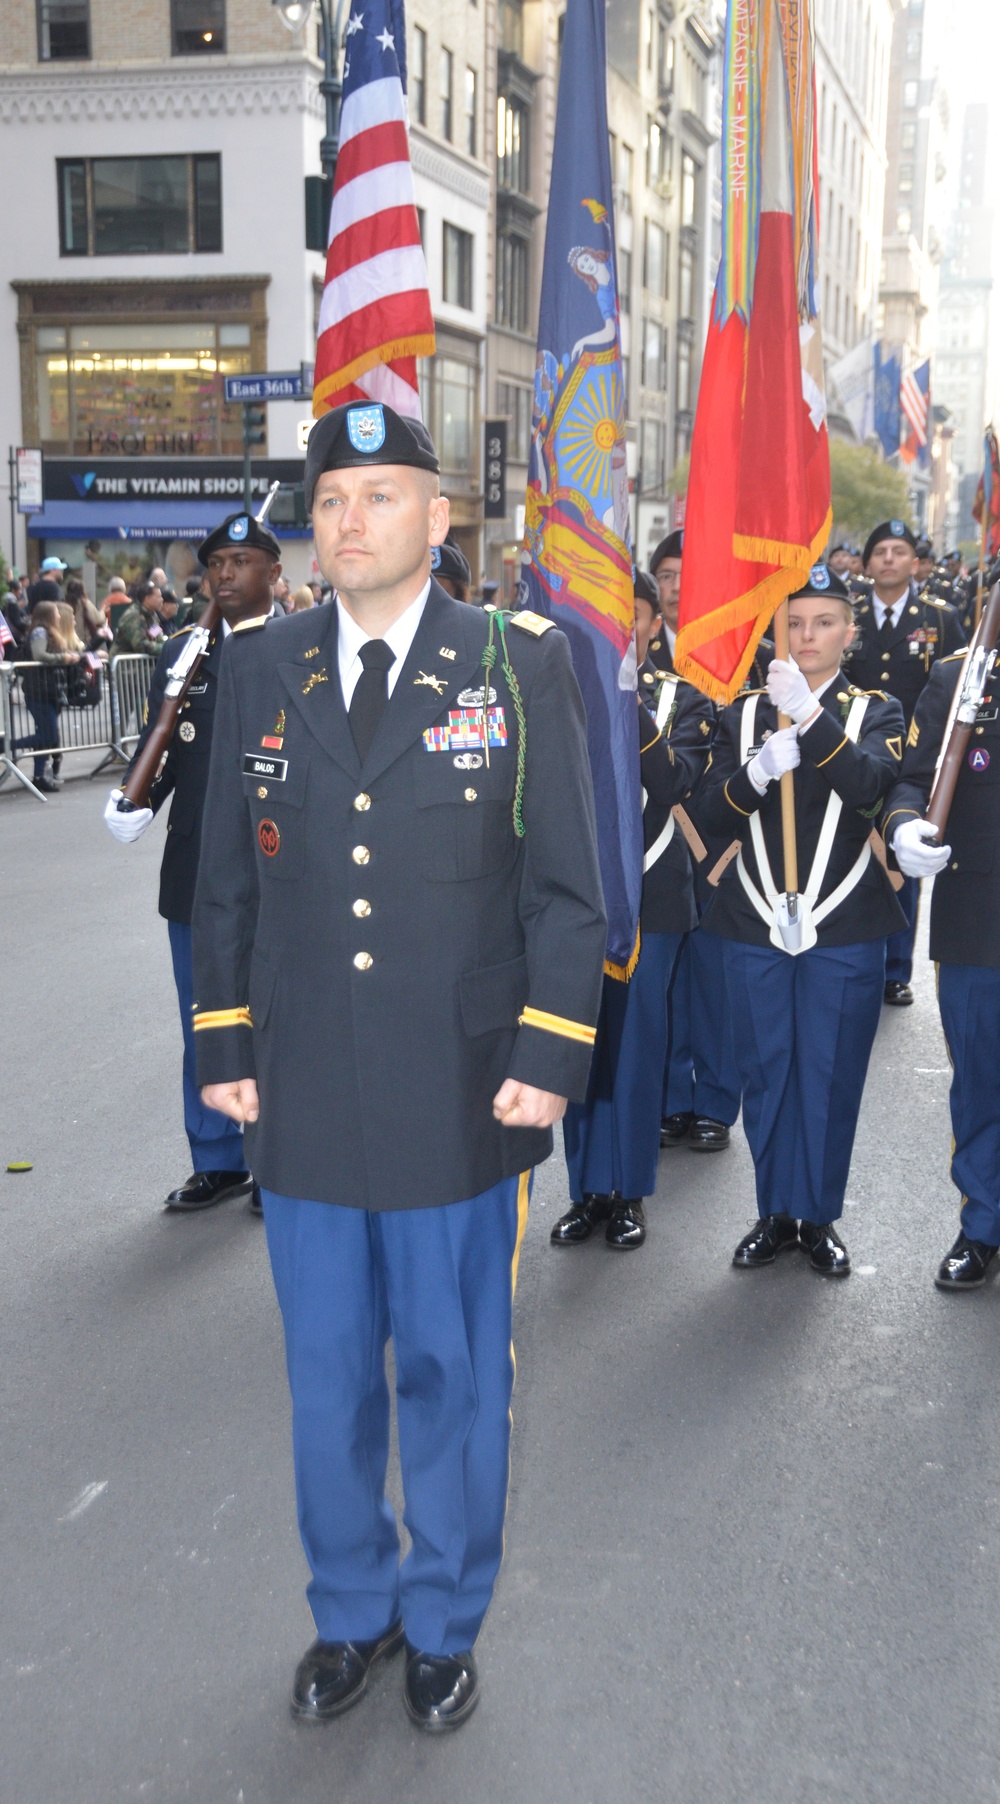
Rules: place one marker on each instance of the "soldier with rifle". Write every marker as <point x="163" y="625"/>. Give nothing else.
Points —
<point x="947" y="825"/>
<point x="172" y="758"/>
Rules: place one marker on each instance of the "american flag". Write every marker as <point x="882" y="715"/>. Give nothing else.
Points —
<point x="915" y="402"/>
<point x="6" y="636"/>
<point x="375" y="319"/>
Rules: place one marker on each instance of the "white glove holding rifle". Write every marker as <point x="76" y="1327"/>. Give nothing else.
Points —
<point x="776" y="755"/>
<point x="789" y="691"/>
<point x="916" y="855"/>
<point x="127" y="824"/>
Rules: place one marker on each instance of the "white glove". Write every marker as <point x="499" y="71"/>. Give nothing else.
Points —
<point x="789" y="691"/>
<point x="914" y="853"/>
<point x="128" y="826"/>
<point x="776" y="755"/>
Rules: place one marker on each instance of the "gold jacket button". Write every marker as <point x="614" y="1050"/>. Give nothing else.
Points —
<point x="261" y="793"/>
<point x="362" y="803"/>
<point x="361" y="855"/>
<point x="470" y="795"/>
<point x="361" y="908"/>
<point x="363" y="961"/>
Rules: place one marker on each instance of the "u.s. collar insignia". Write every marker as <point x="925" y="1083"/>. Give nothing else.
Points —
<point x="430" y="682"/>
<point x="446" y="652"/>
<point x="366" y="427"/>
<point x="313" y="652"/>
<point x="238" y="529"/>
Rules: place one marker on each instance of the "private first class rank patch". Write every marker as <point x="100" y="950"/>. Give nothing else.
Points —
<point x="464" y="731"/>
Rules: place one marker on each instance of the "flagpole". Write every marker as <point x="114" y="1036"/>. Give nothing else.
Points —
<point x="982" y="565"/>
<point x="788" y="836"/>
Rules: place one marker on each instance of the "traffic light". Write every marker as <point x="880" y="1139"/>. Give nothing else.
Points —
<point x="289" y="506"/>
<point x="254" y="425"/>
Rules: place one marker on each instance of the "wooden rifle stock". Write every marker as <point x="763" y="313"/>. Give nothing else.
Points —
<point x="984" y="641"/>
<point x="142" y="776"/>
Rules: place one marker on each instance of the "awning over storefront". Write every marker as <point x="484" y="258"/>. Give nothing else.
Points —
<point x="105" y="520"/>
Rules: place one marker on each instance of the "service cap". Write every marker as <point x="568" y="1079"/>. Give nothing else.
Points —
<point x="823" y="581"/>
<point x="449" y="561"/>
<point x="239" y="529"/>
<point x="644" y="588"/>
<point x="365" y="432"/>
<point x="671" y="546"/>
<point x="889" y="529"/>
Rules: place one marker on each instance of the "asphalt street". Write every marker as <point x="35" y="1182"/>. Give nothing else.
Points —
<point x="754" y="1518"/>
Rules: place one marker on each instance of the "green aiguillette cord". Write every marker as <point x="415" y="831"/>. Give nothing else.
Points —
<point x="489" y="660"/>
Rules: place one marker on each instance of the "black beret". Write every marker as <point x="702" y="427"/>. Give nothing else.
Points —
<point x="669" y="547"/>
<point x="924" y="548"/>
<point x="365" y="432"/>
<point x="889" y="529"/>
<point x="448" y="560"/>
<point x="239" y="529"/>
<point x="824" y="581"/>
<point x="644" y="588"/>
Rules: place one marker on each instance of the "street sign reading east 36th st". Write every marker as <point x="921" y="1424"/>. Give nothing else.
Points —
<point x="284" y="385"/>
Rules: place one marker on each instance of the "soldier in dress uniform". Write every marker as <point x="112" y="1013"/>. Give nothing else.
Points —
<point x="243" y="561"/>
<point x="451" y="570"/>
<point x="900" y="635"/>
<point x="965" y="945"/>
<point x="612" y="1138"/>
<point x="701" y="1094"/>
<point x="804" y="1018"/>
<point x="399" y="938"/>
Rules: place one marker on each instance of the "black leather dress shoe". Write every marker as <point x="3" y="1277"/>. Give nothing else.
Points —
<point x="627" y="1227"/>
<point x="707" y="1136"/>
<point x="674" y="1128"/>
<point x="579" y="1223"/>
<point x="256" y="1206"/>
<point x="772" y="1235"/>
<point x="440" y="1690"/>
<point x="966" y="1266"/>
<point x="333" y="1675"/>
<point x="897" y="995"/>
<point x="207" y="1187"/>
<point x="827" y="1252"/>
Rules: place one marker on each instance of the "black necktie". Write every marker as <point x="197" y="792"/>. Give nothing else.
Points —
<point x="887" y="629"/>
<point x="371" y="693"/>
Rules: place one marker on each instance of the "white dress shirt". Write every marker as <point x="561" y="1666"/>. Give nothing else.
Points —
<point x="351" y="637"/>
<point x="894" y="613"/>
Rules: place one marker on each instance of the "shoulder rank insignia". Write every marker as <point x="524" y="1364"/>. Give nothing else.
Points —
<point x="895" y="746"/>
<point x="536" y="624"/>
<point x="244" y="626"/>
<point x="914" y="733"/>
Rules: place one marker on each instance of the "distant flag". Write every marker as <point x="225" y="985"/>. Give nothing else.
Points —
<point x="915" y="405"/>
<point x="6" y="636"/>
<point x="375" y="318"/>
<point x="986" y="507"/>
<point x="758" y="499"/>
<point x="887" y="410"/>
<point x="576" y="564"/>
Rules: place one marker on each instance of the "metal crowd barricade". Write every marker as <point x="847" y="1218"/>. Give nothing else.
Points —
<point x="111" y="722"/>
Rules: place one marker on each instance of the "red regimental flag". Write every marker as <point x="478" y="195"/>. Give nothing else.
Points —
<point x="758" y="500"/>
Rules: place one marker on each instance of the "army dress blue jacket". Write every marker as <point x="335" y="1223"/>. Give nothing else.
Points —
<point x="859" y="774"/>
<point x="672" y="757"/>
<point x="927" y="629"/>
<point x="184" y="774"/>
<point x="375" y="943"/>
<point x="965" y="904"/>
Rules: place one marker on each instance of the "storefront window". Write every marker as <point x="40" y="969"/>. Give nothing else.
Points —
<point x="448" y="390"/>
<point x="140" y="390"/>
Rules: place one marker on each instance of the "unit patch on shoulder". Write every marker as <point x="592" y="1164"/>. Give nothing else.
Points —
<point x="531" y="623"/>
